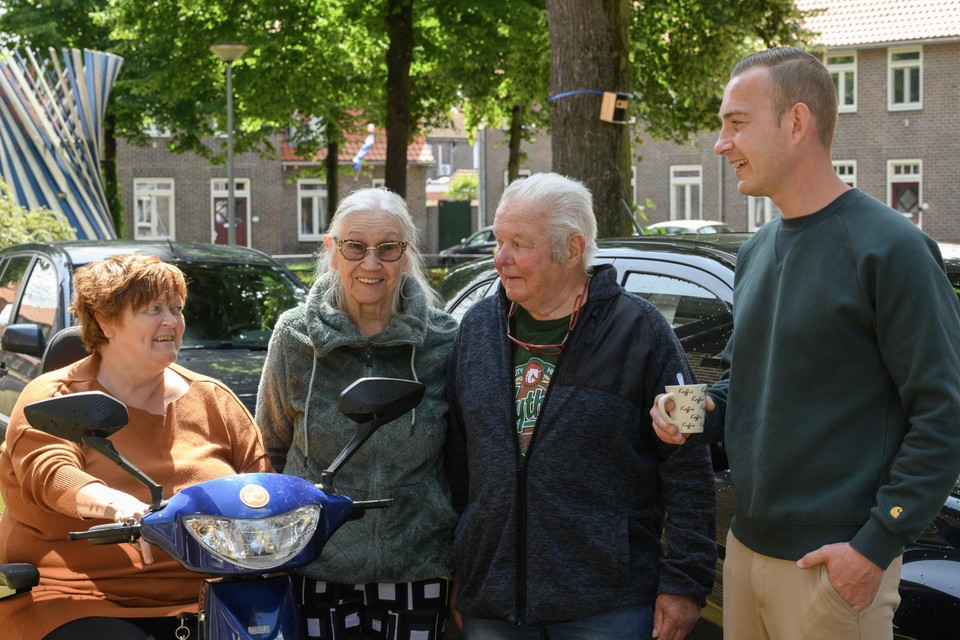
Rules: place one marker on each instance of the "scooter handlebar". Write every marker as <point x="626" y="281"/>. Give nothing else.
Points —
<point x="113" y="533"/>
<point x="360" y="507"/>
<point x="383" y="503"/>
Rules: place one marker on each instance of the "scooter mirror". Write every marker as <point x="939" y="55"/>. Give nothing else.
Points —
<point x="75" y="416"/>
<point x="89" y="418"/>
<point x="372" y="403"/>
<point x="379" y="399"/>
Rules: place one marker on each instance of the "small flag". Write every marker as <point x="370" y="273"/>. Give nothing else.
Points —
<point x="367" y="143"/>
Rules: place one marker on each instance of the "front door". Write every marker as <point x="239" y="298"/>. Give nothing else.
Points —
<point x="241" y="211"/>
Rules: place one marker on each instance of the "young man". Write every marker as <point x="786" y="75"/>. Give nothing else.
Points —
<point x="839" y="407"/>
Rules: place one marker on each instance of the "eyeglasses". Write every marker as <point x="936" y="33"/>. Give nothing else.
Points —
<point x="549" y="349"/>
<point x="355" y="251"/>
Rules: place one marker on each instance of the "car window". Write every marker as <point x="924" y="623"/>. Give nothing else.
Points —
<point x="10" y="281"/>
<point x="234" y="303"/>
<point x="40" y="302"/>
<point x="701" y="320"/>
<point x="482" y="237"/>
<point x="470" y="298"/>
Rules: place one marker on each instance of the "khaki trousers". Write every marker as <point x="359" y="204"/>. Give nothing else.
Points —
<point x="768" y="598"/>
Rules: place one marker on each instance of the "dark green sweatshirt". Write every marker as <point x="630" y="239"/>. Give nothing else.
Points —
<point x="842" y="397"/>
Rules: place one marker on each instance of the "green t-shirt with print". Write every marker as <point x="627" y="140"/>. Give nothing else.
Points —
<point x="533" y="370"/>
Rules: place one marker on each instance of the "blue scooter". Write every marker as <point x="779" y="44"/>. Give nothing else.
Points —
<point x="255" y="525"/>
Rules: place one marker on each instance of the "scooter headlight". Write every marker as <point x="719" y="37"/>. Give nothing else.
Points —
<point x="256" y="543"/>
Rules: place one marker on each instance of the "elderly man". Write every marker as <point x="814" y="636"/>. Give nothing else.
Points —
<point x="563" y="489"/>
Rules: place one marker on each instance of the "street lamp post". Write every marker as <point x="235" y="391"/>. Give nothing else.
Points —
<point x="228" y="52"/>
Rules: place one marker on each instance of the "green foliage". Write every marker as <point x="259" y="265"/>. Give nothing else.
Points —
<point x="19" y="225"/>
<point x="499" y="54"/>
<point x="682" y="54"/>
<point x="320" y="65"/>
<point x="304" y="270"/>
<point x="463" y="187"/>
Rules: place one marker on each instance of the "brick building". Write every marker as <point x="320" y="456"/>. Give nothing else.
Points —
<point x="281" y="203"/>
<point x="898" y="139"/>
<point x="898" y="135"/>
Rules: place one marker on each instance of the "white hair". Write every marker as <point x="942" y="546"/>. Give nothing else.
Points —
<point x="388" y="203"/>
<point x="569" y="210"/>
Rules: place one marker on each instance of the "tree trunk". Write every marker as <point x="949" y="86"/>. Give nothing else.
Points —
<point x="516" y="139"/>
<point x="588" y="43"/>
<point x="332" y="166"/>
<point x="109" y="168"/>
<point x="399" y="55"/>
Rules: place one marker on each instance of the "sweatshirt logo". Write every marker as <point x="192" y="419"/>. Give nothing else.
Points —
<point x="896" y="511"/>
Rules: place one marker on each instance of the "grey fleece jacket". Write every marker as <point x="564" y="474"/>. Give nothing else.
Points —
<point x="316" y="352"/>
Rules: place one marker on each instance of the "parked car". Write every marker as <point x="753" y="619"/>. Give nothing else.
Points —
<point x="234" y="296"/>
<point x="687" y="226"/>
<point x="690" y="279"/>
<point x="481" y="243"/>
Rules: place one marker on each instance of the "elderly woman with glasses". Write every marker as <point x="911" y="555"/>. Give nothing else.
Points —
<point x="370" y="312"/>
<point x="564" y="489"/>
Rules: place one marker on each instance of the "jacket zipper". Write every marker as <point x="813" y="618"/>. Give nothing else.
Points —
<point x="522" y="496"/>
<point x="368" y="359"/>
<point x="522" y="507"/>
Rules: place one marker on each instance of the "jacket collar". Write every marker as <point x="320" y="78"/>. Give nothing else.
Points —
<point x="329" y="328"/>
<point x="603" y="285"/>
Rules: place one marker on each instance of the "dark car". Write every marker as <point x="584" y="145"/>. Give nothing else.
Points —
<point x="690" y="279"/>
<point x="234" y="296"/>
<point x="481" y="243"/>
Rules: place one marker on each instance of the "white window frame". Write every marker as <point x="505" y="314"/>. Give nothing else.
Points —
<point x="146" y="193"/>
<point x="686" y="177"/>
<point x="906" y="170"/>
<point x="521" y="173"/>
<point x="841" y="72"/>
<point x="633" y="182"/>
<point x="316" y="192"/>
<point x="760" y="211"/>
<point x="846" y="170"/>
<point x="895" y="67"/>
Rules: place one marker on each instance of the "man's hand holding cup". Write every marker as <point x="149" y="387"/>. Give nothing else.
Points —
<point x="680" y="412"/>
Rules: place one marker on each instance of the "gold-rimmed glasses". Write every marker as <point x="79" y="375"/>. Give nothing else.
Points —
<point x="354" y="250"/>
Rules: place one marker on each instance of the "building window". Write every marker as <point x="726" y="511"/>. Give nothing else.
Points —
<point x="686" y="185"/>
<point x="153" y="209"/>
<point x="847" y="170"/>
<point x="314" y="216"/>
<point x="904" y="187"/>
<point x="521" y="173"/>
<point x="760" y="211"/>
<point x="842" y="66"/>
<point x="905" y="79"/>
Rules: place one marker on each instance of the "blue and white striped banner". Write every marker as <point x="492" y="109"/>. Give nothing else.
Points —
<point x="51" y="133"/>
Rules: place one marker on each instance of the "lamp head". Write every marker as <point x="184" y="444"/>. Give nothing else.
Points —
<point x="229" y="51"/>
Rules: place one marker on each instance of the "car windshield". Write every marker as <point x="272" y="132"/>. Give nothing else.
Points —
<point x="234" y="304"/>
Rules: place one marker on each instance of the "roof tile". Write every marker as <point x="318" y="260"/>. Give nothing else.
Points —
<point x="864" y="22"/>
